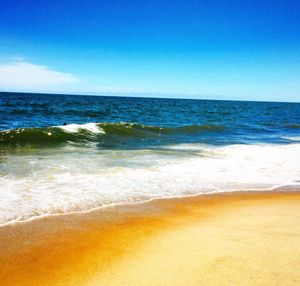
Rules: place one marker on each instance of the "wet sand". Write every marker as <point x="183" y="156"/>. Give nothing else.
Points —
<point x="228" y="239"/>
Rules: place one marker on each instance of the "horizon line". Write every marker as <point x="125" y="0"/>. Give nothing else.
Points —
<point x="143" y="95"/>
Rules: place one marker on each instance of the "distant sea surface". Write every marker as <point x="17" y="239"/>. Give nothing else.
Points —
<point x="66" y="153"/>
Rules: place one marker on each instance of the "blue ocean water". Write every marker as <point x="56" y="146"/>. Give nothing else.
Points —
<point x="61" y="153"/>
<point x="148" y="122"/>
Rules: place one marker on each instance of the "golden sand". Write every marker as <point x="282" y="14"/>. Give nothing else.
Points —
<point x="229" y="239"/>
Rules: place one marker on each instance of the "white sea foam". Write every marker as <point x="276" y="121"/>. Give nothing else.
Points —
<point x="50" y="183"/>
<point x="73" y="128"/>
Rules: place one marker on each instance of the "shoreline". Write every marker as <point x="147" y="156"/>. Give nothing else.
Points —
<point x="107" y="245"/>
<point x="275" y="189"/>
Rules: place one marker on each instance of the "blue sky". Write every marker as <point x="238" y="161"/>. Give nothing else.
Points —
<point x="200" y="49"/>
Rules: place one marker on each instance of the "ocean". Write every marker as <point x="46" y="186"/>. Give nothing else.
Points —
<point x="72" y="153"/>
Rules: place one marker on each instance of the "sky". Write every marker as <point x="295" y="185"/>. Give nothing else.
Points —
<point x="221" y="49"/>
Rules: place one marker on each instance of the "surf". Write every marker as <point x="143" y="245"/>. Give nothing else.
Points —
<point x="101" y="133"/>
<point x="74" y="180"/>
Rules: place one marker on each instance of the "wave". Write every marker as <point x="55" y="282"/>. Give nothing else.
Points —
<point x="292" y="138"/>
<point x="65" y="181"/>
<point x="102" y="133"/>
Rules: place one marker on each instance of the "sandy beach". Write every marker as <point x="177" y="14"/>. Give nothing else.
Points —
<point x="224" y="239"/>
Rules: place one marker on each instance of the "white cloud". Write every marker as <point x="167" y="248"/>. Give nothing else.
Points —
<point x="26" y="76"/>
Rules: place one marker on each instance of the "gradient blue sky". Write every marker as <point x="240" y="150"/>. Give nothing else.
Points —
<point x="200" y="49"/>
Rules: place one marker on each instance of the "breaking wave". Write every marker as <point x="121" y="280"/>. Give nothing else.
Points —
<point x="104" y="133"/>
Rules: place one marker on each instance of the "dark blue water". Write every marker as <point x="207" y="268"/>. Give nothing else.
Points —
<point x="144" y="122"/>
